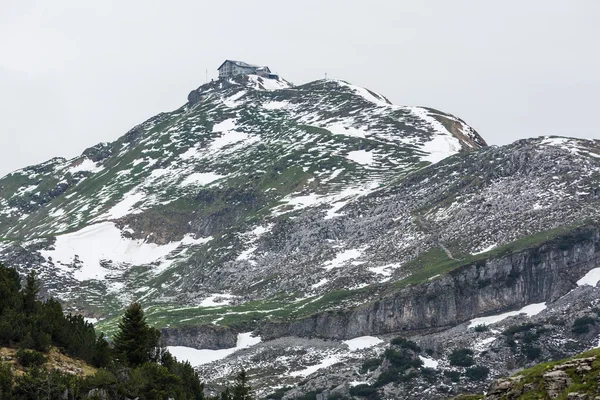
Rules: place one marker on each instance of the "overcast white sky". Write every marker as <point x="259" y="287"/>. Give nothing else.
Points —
<point x="75" y="73"/>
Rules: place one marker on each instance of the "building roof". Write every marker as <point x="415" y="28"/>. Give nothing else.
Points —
<point x="242" y="64"/>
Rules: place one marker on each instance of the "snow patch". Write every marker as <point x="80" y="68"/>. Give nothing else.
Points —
<point x="227" y="125"/>
<point x="275" y="105"/>
<point x="342" y="258"/>
<point x="198" y="357"/>
<point x="268" y="83"/>
<point x="485" y="250"/>
<point x="201" y="178"/>
<point x="440" y="147"/>
<point x="429" y="362"/>
<point x="342" y="129"/>
<point x="245" y="255"/>
<point x="86" y="165"/>
<point x="362" y="157"/>
<point x="362" y="342"/>
<point x="591" y="278"/>
<point x="483" y="344"/>
<point x="327" y="362"/>
<point x="92" y="245"/>
<point x="228" y="138"/>
<point x="530" y="310"/>
<point x="125" y="206"/>
<point x="215" y="300"/>
<point x="320" y="283"/>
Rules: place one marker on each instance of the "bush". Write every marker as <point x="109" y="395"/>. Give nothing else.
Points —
<point x="429" y="374"/>
<point x="531" y="352"/>
<point x="402" y="359"/>
<point x="511" y="330"/>
<point x="389" y="376"/>
<point x="454" y="376"/>
<point x="477" y="373"/>
<point x="363" y="391"/>
<point x="38" y="383"/>
<point x="582" y="325"/>
<point x="308" y="396"/>
<point x="461" y="358"/>
<point x="481" y="328"/>
<point x="337" y="396"/>
<point x="279" y="393"/>
<point x="6" y="379"/>
<point x="530" y="337"/>
<point x="30" y="358"/>
<point x="406" y="344"/>
<point x="370" y="364"/>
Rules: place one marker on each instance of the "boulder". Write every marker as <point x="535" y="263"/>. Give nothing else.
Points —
<point x="555" y="383"/>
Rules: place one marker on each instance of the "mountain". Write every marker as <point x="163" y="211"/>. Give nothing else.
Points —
<point x="184" y="194"/>
<point x="304" y="214"/>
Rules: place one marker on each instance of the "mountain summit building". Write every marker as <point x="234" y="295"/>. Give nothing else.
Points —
<point x="231" y="68"/>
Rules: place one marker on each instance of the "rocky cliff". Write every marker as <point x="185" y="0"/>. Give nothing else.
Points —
<point x="539" y="274"/>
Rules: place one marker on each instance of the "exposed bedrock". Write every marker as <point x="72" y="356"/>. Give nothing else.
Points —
<point x="200" y="337"/>
<point x="540" y="274"/>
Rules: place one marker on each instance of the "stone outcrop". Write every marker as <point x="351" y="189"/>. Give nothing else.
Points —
<point x="555" y="382"/>
<point x="200" y="337"/>
<point x="194" y="97"/>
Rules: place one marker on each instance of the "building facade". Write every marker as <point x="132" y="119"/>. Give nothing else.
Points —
<point x="231" y="68"/>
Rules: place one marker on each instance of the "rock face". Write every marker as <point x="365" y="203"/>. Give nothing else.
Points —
<point x="536" y="275"/>
<point x="555" y="383"/>
<point x="200" y="337"/>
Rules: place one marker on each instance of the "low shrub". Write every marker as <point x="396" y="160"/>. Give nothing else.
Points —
<point x="454" y="376"/>
<point x="363" y="391"/>
<point x="370" y="364"/>
<point x="531" y="352"/>
<point x="402" y="359"/>
<point x="462" y="358"/>
<point x="511" y="330"/>
<point x="406" y="344"/>
<point x="477" y="373"/>
<point x="582" y="325"/>
<point x="30" y="358"/>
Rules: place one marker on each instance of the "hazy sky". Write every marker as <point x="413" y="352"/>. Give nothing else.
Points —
<point x="75" y="73"/>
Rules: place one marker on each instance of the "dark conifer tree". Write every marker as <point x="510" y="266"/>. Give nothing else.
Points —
<point x="10" y="284"/>
<point x="30" y="292"/>
<point x="136" y="343"/>
<point x="241" y="389"/>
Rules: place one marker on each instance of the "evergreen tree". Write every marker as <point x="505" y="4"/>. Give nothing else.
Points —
<point x="30" y="292"/>
<point x="6" y="381"/>
<point x="136" y="343"/>
<point x="102" y="354"/>
<point x="241" y="389"/>
<point x="226" y="394"/>
<point x="10" y="284"/>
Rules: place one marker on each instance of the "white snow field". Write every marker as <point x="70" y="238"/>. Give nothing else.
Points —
<point x="326" y="362"/>
<point x="530" y="310"/>
<point x="591" y="278"/>
<point x="199" y="357"/>
<point x="104" y="241"/>
<point x="362" y="342"/>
